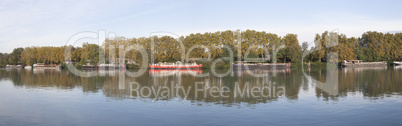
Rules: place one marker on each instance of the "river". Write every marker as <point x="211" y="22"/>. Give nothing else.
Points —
<point x="333" y="96"/>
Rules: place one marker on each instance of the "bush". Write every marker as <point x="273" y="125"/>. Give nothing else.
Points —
<point x="132" y="66"/>
<point x="63" y="65"/>
<point x="323" y="64"/>
<point x="78" y="66"/>
<point x="218" y="65"/>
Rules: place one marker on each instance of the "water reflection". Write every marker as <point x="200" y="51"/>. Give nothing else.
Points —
<point x="237" y="87"/>
<point x="324" y="80"/>
<point x="375" y="82"/>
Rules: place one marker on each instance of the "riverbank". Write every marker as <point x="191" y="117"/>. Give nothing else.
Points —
<point x="227" y="65"/>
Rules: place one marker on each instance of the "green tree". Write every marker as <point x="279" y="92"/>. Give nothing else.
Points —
<point x="90" y="52"/>
<point x="15" y="56"/>
<point x="292" y="48"/>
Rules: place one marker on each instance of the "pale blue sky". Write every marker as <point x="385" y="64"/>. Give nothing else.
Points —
<point x="52" y="23"/>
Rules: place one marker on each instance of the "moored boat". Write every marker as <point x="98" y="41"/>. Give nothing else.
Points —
<point x="397" y="63"/>
<point x="44" y="66"/>
<point x="14" y="66"/>
<point x="28" y="67"/>
<point x="178" y="72"/>
<point x="261" y="66"/>
<point x="177" y="65"/>
<point x="103" y="66"/>
<point x="359" y="63"/>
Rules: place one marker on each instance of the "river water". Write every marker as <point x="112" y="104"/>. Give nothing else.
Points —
<point x="342" y="96"/>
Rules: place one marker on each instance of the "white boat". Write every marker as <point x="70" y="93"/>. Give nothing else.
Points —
<point x="28" y="67"/>
<point x="397" y="63"/>
<point x="359" y="63"/>
<point x="14" y="66"/>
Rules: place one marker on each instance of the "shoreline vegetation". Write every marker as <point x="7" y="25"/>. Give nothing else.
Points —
<point x="218" y="46"/>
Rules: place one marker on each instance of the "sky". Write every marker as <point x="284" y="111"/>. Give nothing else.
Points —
<point x="53" y="22"/>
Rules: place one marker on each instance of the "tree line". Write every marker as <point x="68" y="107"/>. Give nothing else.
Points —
<point x="371" y="46"/>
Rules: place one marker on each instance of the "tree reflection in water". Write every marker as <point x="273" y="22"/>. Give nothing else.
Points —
<point x="372" y="83"/>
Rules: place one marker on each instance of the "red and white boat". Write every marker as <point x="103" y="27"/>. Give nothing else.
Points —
<point x="177" y="65"/>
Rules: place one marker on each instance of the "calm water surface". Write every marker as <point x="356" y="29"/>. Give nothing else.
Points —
<point x="345" y="96"/>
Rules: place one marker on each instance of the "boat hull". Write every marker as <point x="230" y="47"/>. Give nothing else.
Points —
<point x="175" y="67"/>
<point x="369" y="64"/>
<point x="102" y="67"/>
<point x="43" y="66"/>
<point x="262" y="66"/>
<point x="28" y="67"/>
<point x="14" y="66"/>
<point x="48" y="67"/>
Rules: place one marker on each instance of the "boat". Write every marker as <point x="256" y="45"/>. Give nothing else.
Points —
<point x="103" y="66"/>
<point x="177" y="65"/>
<point x="14" y="66"/>
<point x="359" y="63"/>
<point x="285" y="70"/>
<point x="111" y="66"/>
<point x="262" y="66"/>
<point x="44" y="66"/>
<point x="171" y="72"/>
<point x="89" y="67"/>
<point x="28" y="67"/>
<point x="397" y="63"/>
